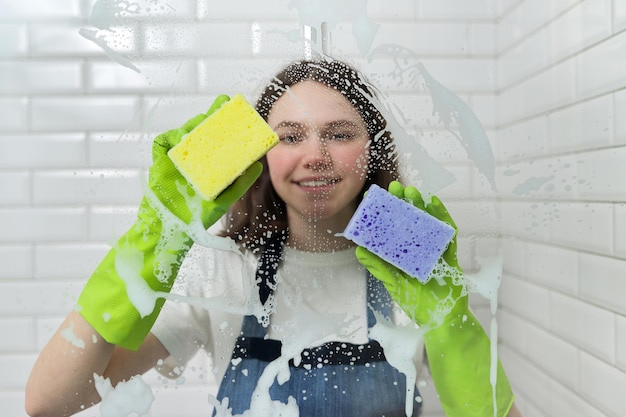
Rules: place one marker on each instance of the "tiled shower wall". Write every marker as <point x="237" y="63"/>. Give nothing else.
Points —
<point x="545" y="77"/>
<point x="561" y="140"/>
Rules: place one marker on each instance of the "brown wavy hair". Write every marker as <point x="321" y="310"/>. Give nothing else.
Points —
<point x="261" y="212"/>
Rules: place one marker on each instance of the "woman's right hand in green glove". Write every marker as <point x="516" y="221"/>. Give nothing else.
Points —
<point x="168" y="184"/>
<point x="122" y="299"/>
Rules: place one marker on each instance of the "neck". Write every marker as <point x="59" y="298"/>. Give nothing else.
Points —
<point x="317" y="236"/>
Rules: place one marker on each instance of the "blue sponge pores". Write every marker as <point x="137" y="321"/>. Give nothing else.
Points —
<point x="399" y="233"/>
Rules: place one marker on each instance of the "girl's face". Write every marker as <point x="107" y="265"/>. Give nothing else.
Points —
<point x="319" y="166"/>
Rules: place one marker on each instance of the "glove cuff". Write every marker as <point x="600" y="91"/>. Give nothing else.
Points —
<point x="105" y="304"/>
<point x="460" y="360"/>
<point x="124" y="295"/>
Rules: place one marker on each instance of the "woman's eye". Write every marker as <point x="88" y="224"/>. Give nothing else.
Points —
<point x="290" y="138"/>
<point x="341" y="136"/>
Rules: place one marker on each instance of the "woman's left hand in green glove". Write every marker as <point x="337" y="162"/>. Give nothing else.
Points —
<point x="427" y="304"/>
<point x="468" y="377"/>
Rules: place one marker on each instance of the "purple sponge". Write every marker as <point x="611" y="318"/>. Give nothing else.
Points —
<point x="399" y="233"/>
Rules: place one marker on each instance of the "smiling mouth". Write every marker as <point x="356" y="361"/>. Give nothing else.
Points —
<point x="318" y="183"/>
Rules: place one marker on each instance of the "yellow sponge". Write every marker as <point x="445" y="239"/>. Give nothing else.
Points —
<point x="222" y="147"/>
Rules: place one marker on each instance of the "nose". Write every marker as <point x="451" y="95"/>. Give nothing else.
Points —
<point x="317" y="156"/>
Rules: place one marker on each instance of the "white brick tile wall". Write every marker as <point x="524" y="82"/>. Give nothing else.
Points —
<point x="200" y="39"/>
<point x="620" y="230"/>
<point x="514" y="253"/>
<point x="15" y="40"/>
<point x="121" y="39"/>
<point x="585" y="125"/>
<point x="474" y="217"/>
<point x="584" y="325"/>
<point x="545" y="91"/>
<point x="21" y="265"/>
<point x="14" y="187"/>
<point x="529" y="409"/>
<point x="509" y="31"/>
<point x="42" y="224"/>
<point x="584" y="24"/>
<point x="43" y="151"/>
<point x="478" y="73"/>
<point x="61" y="262"/>
<point x="602" y="384"/>
<point x="119" y="150"/>
<point x="523" y="140"/>
<point x="526" y="299"/>
<point x="514" y="329"/>
<point x="245" y="75"/>
<point x="621" y="339"/>
<point x="246" y="10"/>
<point x="597" y="72"/>
<point x="569" y="403"/>
<point x="584" y="226"/>
<point x="599" y="173"/>
<point x="529" y="17"/>
<point x="21" y="332"/>
<point x="619" y="16"/>
<point x="108" y="223"/>
<point x="545" y="78"/>
<point x="280" y="40"/>
<point x="429" y="38"/>
<point x="417" y="112"/>
<point x="482" y="38"/>
<point x="82" y="187"/>
<point x="161" y="115"/>
<point x="602" y="281"/>
<point x="13" y="113"/>
<point x="554" y="356"/>
<point x="65" y="113"/>
<point x="483" y="106"/>
<point x="61" y="40"/>
<point x="17" y="368"/>
<point x="45" y="327"/>
<point x="13" y="402"/>
<point x="37" y="298"/>
<point x="441" y="145"/>
<point x="588" y="22"/>
<point x="525" y="58"/>
<point x="619" y="122"/>
<point x="16" y="10"/>
<point x="552" y="267"/>
<point x="526" y="219"/>
<point x="155" y="76"/>
<point x="41" y="78"/>
<point x="540" y="178"/>
<point x="451" y="9"/>
<point x="401" y="10"/>
<point x="504" y="7"/>
<point x="528" y="379"/>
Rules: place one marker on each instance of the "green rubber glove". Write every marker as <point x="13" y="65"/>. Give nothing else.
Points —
<point x="458" y="349"/>
<point x="124" y="296"/>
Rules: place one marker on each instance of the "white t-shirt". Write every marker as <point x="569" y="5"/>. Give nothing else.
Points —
<point x="319" y="297"/>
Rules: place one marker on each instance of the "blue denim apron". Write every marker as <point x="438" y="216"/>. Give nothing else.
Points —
<point x="335" y="379"/>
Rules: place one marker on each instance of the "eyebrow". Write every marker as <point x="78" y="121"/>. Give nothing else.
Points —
<point x="289" y="124"/>
<point x="331" y="124"/>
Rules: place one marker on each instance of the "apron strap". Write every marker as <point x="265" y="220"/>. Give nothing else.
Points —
<point x="268" y="264"/>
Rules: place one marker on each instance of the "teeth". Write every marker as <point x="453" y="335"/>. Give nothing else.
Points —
<point x="319" y="183"/>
